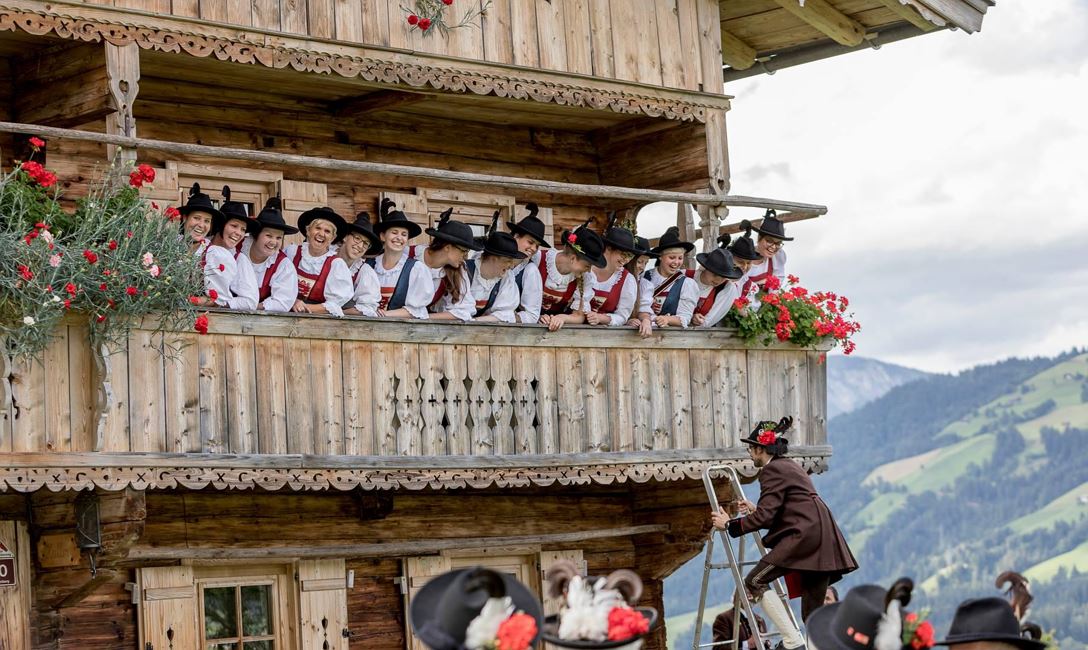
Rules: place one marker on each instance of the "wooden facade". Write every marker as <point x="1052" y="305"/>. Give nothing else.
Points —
<point x="327" y="467"/>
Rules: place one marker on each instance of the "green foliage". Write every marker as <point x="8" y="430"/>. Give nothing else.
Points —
<point x="114" y="259"/>
<point x="795" y="315"/>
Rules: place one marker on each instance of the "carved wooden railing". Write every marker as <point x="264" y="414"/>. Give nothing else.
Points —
<point x="284" y="384"/>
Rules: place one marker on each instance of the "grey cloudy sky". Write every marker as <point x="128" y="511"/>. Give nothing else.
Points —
<point x="955" y="168"/>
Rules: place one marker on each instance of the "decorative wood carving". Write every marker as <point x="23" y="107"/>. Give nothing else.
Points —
<point x="24" y="479"/>
<point x="257" y="50"/>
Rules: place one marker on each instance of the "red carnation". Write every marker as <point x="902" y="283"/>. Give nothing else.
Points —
<point x="213" y="294"/>
<point x="71" y="289"/>
<point x="425" y="24"/>
<point x="90" y="256"/>
<point x="25" y="272"/>
<point x="171" y="213"/>
<point x="447" y="2"/>
<point x="766" y="437"/>
<point x="37" y="143"/>
<point x="112" y="245"/>
<point x="201" y="324"/>
<point x="67" y="304"/>
<point x="571" y="238"/>
<point x="132" y="291"/>
<point x="923" y="636"/>
<point x="102" y="287"/>
<point x="100" y="318"/>
<point x="194" y="300"/>
<point x="222" y="267"/>
<point x="516" y="632"/>
<point x="624" y="623"/>
<point x="413" y="19"/>
<point x="147" y="172"/>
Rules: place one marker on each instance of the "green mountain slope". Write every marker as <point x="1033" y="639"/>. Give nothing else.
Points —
<point x="953" y="478"/>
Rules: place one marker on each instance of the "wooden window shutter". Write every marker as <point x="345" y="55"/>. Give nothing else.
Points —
<point x="547" y="558"/>
<point x="298" y="197"/>
<point x="168" y="608"/>
<point x="323" y="603"/>
<point x="417" y="571"/>
<point x="545" y="214"/>
<point x="412" y="205"/>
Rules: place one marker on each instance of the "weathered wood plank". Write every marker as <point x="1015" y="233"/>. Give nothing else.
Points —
<point x="15" y="602"/>
<point x="358" y="400"/>
<point x="678" y="373"/>
<point x="266" y="14"/>
<point x="328" y="391"/>
<point x="547" y="404"/>
<point x="621" y="406"/>
<point x="28" y="399"/>
<point x="571" y="401"/>
<point x="214" y="429"/>
<point x="293" y="16"/>
<point x="188" y="8"/>
<point x="300" y="396"/>
<point x="479" y="374"/>
<point x="524" y="374"/>
<point x="348" y="20"/>
<point x="406" y="370"/>
<point x="115" y="436"/>
<point x="600" y="26"/>
<point x="241" y="382"/>
<point x="551" y="35"/>
<point x="58" y="398"/>
<point x="649" y="59"/>
<point x="384" y="381"/>
<point x="321" y="18"/>
<point x="710" y="46"/>
<point x="701" y="364"/>
<point x="626" y="47"/>
<point x="731" y="398"/>
<point x="688" y="17"/>
<point x="376" y="24"/>
<point x="523" y="30"/>
<point x="183" y="396"/>
<point x="240" y="13"/>
<point x="595" y="382"/>
<point x="147" y="393"/>
<point x="659" y="394"/>
<point x="432" y="397"/>
<point x="644" y="376"/>
<point x="215" y="10"/>
<point x="668" y="41"/>
<point x="272" y="401"/>
<point x="82" y="389"/>
<point x="579" y="38"/>
<point x="455" y="368"/>
<point x="497" y="33"/>
<point x="502" y="407"/>
<point x="817" y="400"/>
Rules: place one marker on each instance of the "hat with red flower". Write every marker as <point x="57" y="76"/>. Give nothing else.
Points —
<point x="596" y="612"/>
<point x="586" y="244"/>
<point x="476" y="609"/>
<point x="871" y="618"/>
<point x="768" y="432"/>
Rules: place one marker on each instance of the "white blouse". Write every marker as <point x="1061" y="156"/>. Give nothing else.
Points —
<point x="722" y="304"/>
<point x="628" y="294"/>
<point x="420" y="285"/>
<point x="531" y="289"/>
<point x="232" y="279"/>
<point x="556" y="281"/>
<point x="689" y="295"/>
<point x="778" y="270"/>
<point x="284" y="283"/>
<point x="338" y="286"/>
<point x="506" y="301"/>
<point x="368" y="292"/>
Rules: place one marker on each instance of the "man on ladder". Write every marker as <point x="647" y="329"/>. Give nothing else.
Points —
<point x="802" y="534"/>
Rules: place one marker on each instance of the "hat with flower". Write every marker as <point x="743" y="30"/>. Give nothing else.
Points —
<point x="870" y="618"/>
<point x="768" y="432"/>
<point x="596" y="612"/>
<point x="586" y="244"/>
<point x="475" y="609"/>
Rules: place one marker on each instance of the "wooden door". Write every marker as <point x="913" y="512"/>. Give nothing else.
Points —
<point x="323" y="604"/>
<point x="168" y="607"/>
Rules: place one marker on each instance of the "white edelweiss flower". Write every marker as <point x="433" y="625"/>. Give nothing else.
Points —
<point x="28" y="320"/>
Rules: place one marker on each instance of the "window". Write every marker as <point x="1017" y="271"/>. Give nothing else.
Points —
<point x="238" y="617"/>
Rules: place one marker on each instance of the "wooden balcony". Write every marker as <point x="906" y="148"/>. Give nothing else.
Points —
<point x="314" y="402"/>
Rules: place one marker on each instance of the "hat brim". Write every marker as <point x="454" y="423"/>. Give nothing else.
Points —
<point x="425" y="603"/>
<point x="471" y="245"/>
<point x="511" y="255"/>
<point x="599" y="262"/>
<point x="622" y="247"/>
<point x="756" y="257"/>
<point x="1016" y="640"/>
<point x="686" y="245"/>
<point x="515" y="228"/>
<point x="259" y="225"/>
<point x="551" y="633"/>
<point x="306" y="218"/>
<point x="185" y="210"/>
<point x="818" y="628"/>
<point x="220" y="222"/>
<point x="772" y="235"/>
<point x="413" y="228"/>
<point x="735" y="274"/>
<point x="370" y="235"/>
<point x="754" y="443"/>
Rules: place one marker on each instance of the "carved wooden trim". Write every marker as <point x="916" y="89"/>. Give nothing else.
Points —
<point x="30" y="479"/>
<point x="252" y="47"/>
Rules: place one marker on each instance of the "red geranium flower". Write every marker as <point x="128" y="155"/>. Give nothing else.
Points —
<point x="571" y="238"/>
<point x="516" y="632"/>
<point x="624" y="623"/>
<point x="147" y="172"/>
<point x="767" y="437"/>
<point x="201" y="324"/>
<point x="37" y="143"/>
<point x="772" y="283"/>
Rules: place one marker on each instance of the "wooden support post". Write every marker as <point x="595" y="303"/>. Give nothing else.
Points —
<point x="841" y="28"/>
<point x="15" y="599"/>
<point x="86" y="589"/>
<point x="123" y="78"/>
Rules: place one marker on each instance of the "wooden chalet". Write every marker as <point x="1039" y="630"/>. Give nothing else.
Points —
<point x="290" y="482"/>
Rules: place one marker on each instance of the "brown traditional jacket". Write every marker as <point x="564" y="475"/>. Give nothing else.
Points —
<point x="801" y="531"/>
<point x="723" y="628"/>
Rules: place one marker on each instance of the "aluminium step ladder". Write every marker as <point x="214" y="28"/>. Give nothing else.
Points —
<point x="736" y="564"/>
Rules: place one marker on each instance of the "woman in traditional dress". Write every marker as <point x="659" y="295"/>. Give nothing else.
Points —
<point x="716" y="283"/>
<point x="667" y="295"/>
<point x="770" y="246"/>
<point x="562" y="272"/>
<point x="357" y="243"/>
<point x="405" y="282"/>
<point x="637" y="267"/>
<point x="492" y="287"/>
<point x="229" y="280"/>
<point x="323" y="286"/>
<point x="451" y="242"/>
<point x="529" y="234"/>
<point x="614" y="288"/>
<point x="198" y="214"/>
<point x="277" y="280"/>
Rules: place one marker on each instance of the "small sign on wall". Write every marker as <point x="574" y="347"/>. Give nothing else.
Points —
<point x="7" y="567"/>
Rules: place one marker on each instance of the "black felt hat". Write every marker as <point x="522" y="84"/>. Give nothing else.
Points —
<point x="454" y="232"/>
<point x="720" y="262"/>
<point x="851" y="623"/>
<point x="643" y="245"/>
<point x="390" y="217"/>
<point x="619" y="237"/>
<point x="779" y="428"/>
<point x="271" y="216"/>
<point x="586" y="244"/>
<point x="326" y="213"/>
<point x="199" y="201"/>
<point x="988" y="619"/>
<point x="443" y="609"/>
<point x="743" y="247"/>
<point x="501" y="244"/>
<point x="531" y="225"/>
<point x="551" y="633"/>
<point x="230" y="210"/>
<point x="671" y="239"/>
<point x="362" y="226"/>
<point x="772" y="227"/>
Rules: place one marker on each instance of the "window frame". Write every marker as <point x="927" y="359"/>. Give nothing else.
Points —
<point x="284" y="608"/>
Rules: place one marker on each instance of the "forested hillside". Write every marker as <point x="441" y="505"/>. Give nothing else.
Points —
<point x="953" y="478"/>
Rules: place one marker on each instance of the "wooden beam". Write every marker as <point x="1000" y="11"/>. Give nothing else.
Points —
<point x="381" y="100"/>
<point x="392" y="549"/>
<point x="788" y="217"/>
<point x="909" y="14"/>
<point x="960" y="13"/>
<point x="509" y="183"/>
<point x="123" y="80"/>
<point x="827" y="19"/>
<point x="736" y="53"/>
<point x="86" y="589"/>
